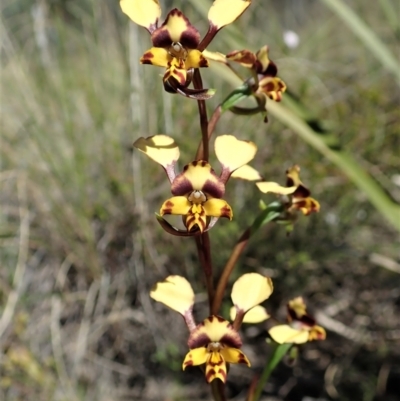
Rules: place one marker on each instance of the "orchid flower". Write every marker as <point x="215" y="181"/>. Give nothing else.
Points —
<point x="301" y="328"/>
<point x="214" y="342"/>
<point x="176" y="43"/>
<point x="295" y="195"/>
<point x="198" y="190"/>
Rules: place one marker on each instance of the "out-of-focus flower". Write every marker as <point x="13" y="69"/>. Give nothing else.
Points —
<point x="266" y="84"/>
<point x="295" y="196"/>
<point x="198" y="190"/>
<point x="176" y="43"/>
<point x="291" y="39"/>
<point x="301" y="328"/>
<point x="214" y="342"/>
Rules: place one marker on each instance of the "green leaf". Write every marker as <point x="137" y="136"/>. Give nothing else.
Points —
<point x="269" y="213"/>
<point x="240" y="93"/>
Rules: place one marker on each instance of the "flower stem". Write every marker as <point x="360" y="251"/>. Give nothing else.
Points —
<point x="218" y="390"/>
<point x="230" y="264"/>
<point x="204" y="252"/>
<point x="202" y="154"/>
<point x="210" y="129"/>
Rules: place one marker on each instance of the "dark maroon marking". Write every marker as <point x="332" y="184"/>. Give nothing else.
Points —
<point x="161" y="38"/>
<point x="301" y="192"/>
<point x="199" y="340"/>
<point x="271" y="70"/>
<point x="215" y="189"/>
<point x="226" y="212"/>
<point x="181" y="185"/>
<point x="210" y="373"/>
<point x="203" y="62"/>
<point x="232" y="341"/>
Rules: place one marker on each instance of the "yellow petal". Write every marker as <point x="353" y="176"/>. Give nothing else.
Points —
<point x="215" y="56"/>
<point x="224" y="12"/>
<point x="246" y="172"/>
<point x="143" y="12"/>
<point x="250" y="290"/>
<point x="298" y="306"/>
<point x="176" y="72"/>
<point x="195" y="59"/>
<point x="176" y="205"/>
<point x="257" y="314"/>
<point x="275" y="188"/>
<point x="195" y="357"/>
<point x="215" y="367"/>
<point x="316" y="333"/>
<point x="218" y="208"/>
<point x="233" y="153"/>
<point x="161" y="148"/>
<point x="234" y="355"/>
<point x="285" y="334"/>
<point x="263" y="58"/>
<point x="156" y="56"/>
<point x="174" y="292"/>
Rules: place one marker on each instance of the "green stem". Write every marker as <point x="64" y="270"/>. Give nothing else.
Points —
<point x="279" y="352"/>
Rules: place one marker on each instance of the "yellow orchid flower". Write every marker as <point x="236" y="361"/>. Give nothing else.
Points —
<point x="295" y="195"/>
<point x="301" y="328"/>
<point x="176" y="43"/>
<point x="215" y="342"/>
<point x="198" y="190"/>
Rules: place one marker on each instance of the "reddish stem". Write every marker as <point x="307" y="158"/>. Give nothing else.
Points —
<point x="230" y="264"/>
<point x="198" y="84"/>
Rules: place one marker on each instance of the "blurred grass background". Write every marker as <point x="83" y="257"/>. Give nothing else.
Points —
<point x="80" y="246"/>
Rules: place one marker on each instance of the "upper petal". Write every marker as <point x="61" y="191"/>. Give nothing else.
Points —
<point x="176" y="28"/>
<point x="198" y="175"/>
<point x="268" y="186"/>
<point x="233" y="153"/>
<point x="143" y="12"/>
<point x="162" y="149"/>
<point x="257" y="314"/>
<point x="224" y="12"/>
<point x="247" y="172"/>
<point x="174" y="292"/>
<point x="285" y="334"/>
<point x="214" y="329"/>
<point x="250" y="290"/>
<point x="263" y="61"/>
